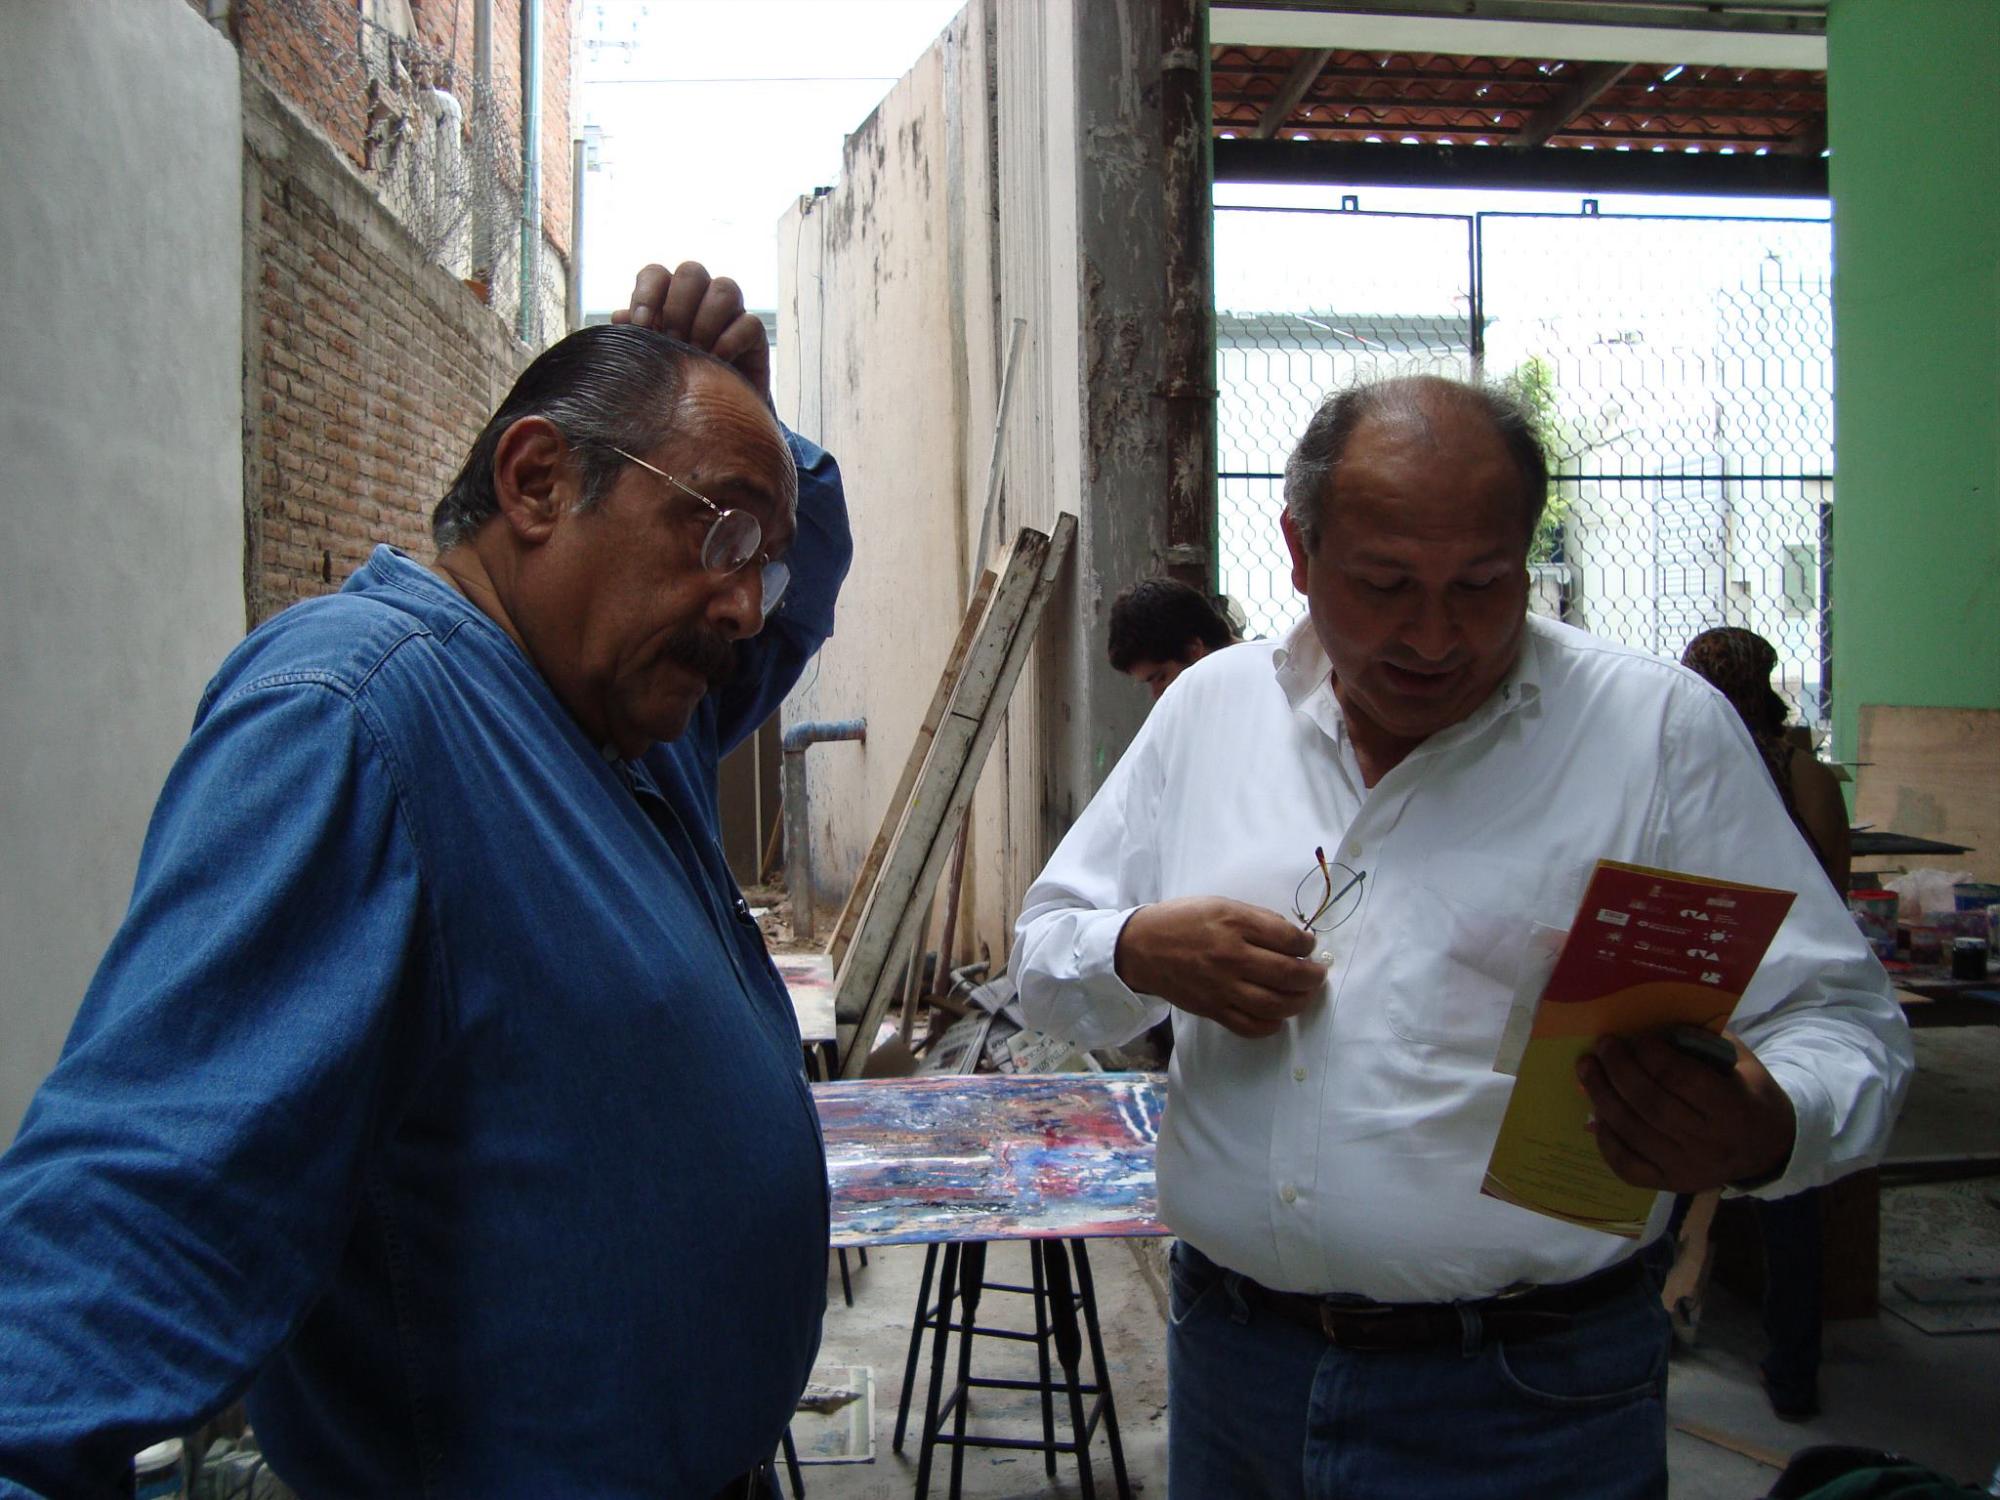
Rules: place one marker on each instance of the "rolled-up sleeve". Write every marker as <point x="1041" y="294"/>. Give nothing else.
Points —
<point x="770" y="662"/>
<point x="186" y="1178"/>
<point x="1820" y="1013"/>
<point x="1066" y="942"/>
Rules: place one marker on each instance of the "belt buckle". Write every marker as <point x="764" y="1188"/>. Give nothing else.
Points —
<point x="1331" y="1316"/>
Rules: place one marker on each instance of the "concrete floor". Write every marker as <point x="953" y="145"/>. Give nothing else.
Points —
<point x="1935" y="1398"/>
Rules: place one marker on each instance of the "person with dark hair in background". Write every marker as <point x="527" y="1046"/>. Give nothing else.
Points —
<point x="437" y="1091"/>
<point x="1739" y="663"/>
<point x="1325" y="859"/>
<point x="1159" y="627"/>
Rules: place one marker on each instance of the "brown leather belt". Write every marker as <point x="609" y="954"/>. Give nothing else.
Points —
<point x="1386" y="1327"/>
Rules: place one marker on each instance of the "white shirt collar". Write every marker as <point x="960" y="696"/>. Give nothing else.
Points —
<point x="1302" y="668"/>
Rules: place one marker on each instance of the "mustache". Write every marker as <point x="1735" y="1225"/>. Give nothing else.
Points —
<point x="703" y="652"/>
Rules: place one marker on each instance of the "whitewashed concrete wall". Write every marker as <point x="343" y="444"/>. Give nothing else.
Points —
<point x="121" y="509"/>
<point x="885" y="353"/>
<point x="1012" y="174"/>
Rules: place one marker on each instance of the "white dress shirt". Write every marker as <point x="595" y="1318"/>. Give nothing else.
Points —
<point x="1345" y="1153"/>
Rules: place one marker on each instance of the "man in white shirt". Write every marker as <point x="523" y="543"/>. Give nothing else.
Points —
<point x="1350" y="1316"/>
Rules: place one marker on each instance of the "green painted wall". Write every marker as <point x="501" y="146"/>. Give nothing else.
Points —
<point x="1913" y="106"/>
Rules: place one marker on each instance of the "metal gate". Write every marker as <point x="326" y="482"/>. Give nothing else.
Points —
<point x="1681" y="367"/>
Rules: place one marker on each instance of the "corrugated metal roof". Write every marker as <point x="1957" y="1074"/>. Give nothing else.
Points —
<point x="1431" y="99"/>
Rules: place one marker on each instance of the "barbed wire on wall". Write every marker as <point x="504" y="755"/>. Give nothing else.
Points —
<point x="436" y="145"/>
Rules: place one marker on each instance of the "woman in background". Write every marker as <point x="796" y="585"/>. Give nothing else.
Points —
<point x="1739" y="663"/>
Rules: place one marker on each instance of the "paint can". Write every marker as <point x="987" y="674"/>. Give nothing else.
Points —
<point x="156" y="1472"/>
<point x="1968" y="958"/>
<point x="1982" y="897"/>
<point x="1875" y="914"/>
<point x="1975" y="895"/>
<point x="1929" y="946"/>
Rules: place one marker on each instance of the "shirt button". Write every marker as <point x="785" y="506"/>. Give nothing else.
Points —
<point x="1298" y="1075"/>
<point x="1289" y="1193"/>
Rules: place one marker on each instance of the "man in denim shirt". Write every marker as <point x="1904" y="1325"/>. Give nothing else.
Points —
<point x="437" y="1093"/>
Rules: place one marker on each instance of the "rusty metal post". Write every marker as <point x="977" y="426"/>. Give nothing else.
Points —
<point x="1188" y="383"/>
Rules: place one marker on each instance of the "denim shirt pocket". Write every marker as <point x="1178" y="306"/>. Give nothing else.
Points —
<point x="1468" y="939"/>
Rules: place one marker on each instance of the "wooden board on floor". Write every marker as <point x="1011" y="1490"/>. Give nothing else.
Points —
<point x="1934" y="773"/>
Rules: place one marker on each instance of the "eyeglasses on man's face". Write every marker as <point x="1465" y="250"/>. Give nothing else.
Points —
<point x="734" y="538"/>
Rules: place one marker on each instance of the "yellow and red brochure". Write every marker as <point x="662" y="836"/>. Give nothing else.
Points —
<point x="1648" y="948"/>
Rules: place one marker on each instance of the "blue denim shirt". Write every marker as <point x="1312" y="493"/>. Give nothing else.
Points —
<point x="437" y="1090"/>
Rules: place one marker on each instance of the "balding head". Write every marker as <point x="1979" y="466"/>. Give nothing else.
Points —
<point x="1426" y="405"/>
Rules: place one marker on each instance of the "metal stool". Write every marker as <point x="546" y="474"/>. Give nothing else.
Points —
<point x="791" y="1454"/>
<point x="1057" y="1298"/>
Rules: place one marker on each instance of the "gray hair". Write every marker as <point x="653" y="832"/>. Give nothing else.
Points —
<point x="1311" y="470"/>
<point x="606" y="387"/>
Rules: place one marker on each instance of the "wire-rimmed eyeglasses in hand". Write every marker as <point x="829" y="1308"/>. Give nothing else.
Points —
<point x="1329" y="894"/>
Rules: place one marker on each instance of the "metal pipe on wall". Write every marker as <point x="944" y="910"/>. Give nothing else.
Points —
<point x="527" y="317"/>
<point x="1188" y="388"/>
<point x="483" y="143"/>
<point x="798" y="826"/>
<point x="579" y="159"/>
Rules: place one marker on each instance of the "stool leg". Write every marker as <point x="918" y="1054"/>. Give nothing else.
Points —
<point x="792" y="1467"/>
<point x="1069" y="1349"/>
<point x="1089" y="1289"/>
<point x="927" y="1443"/>
<point x="971" y="1281"/>
<point x="846" y="1286"/>
<point x="916" y="1346"/>
<point x="1042" y="1357"/>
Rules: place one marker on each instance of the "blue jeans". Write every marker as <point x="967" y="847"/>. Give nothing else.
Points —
<point x="1262" y="1408"/>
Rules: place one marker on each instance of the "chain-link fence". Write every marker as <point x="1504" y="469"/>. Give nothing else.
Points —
<point x="1681" y="368"/>
<point x="441" y="150"/>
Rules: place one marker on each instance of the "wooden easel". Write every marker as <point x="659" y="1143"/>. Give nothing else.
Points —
<point x="892" y="896"/>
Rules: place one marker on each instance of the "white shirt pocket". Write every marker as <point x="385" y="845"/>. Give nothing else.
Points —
<point x="1465" y="936"/>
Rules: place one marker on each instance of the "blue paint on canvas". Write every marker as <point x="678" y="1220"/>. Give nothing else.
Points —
<point x="992" y="1156"/>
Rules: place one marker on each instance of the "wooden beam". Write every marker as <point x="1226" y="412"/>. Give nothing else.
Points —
<point x="1582" y="91"/>
<point x="1351" y="164"/>
<point x="916" y="858"/>
<point x="871" y="867"/>
<point x="1811" y="139"/>
<point x="1307" y="70"/>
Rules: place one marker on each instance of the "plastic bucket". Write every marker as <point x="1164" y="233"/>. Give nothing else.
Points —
<point x="1875" y="914"/>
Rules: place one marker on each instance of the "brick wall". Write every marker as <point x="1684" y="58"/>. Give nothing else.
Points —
<point x="368" y="369"/>
<point x="445" y="26"/>
<point x="310" y="53"/>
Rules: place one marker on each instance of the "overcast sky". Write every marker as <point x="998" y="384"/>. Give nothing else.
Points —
<point x="716" y="114"/>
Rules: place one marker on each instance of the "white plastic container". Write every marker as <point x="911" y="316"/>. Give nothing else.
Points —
<point x="156" y="1473"/>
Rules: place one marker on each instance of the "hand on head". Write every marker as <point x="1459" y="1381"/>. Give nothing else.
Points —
<point x="706" y="312"/>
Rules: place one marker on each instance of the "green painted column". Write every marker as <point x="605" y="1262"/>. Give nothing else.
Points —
<point x="1914" y="124"/>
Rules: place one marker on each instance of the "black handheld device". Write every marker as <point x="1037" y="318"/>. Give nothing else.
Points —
<point x="1704" y="1046"/>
